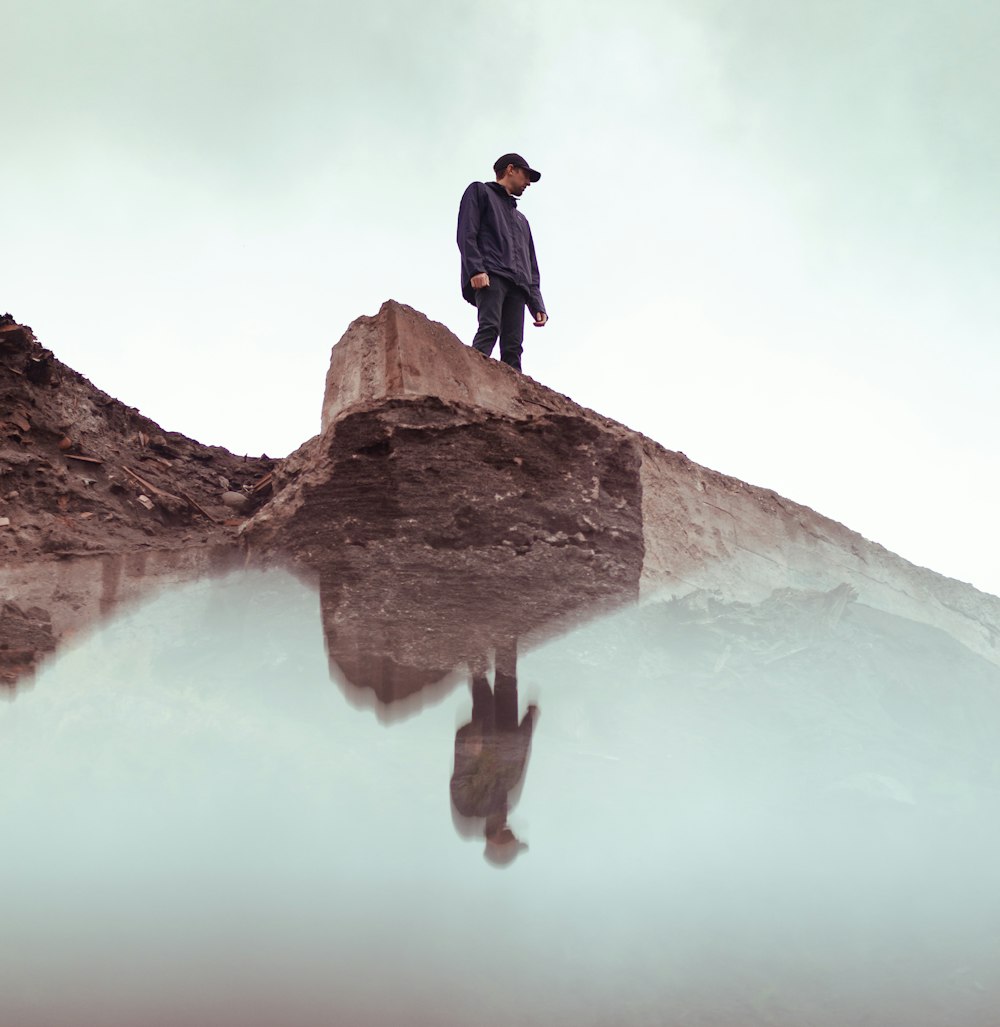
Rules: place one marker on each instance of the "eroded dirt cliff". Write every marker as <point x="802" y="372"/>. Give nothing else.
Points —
<point x="81" y="472"/>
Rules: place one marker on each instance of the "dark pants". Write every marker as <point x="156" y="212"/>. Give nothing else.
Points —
<point x="501" y="312"/>
<point x="496" y="710"/>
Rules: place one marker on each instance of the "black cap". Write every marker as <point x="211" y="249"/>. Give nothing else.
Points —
<point x="519" y="162"/>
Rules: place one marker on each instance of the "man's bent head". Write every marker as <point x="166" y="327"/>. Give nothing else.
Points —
<point x="514" y="173"/>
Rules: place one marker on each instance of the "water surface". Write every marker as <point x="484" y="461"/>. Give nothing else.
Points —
<point x="731" y="814"/>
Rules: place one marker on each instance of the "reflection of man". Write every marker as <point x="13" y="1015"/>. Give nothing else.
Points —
<point x="490" y="755"/>
<point x="499" y="269"/>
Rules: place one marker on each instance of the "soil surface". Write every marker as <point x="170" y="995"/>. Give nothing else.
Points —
<point x="82" y="473"/>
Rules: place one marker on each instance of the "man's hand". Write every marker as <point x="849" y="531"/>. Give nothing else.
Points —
<point x="481" y="281"/>
<point x="540" y="318"/>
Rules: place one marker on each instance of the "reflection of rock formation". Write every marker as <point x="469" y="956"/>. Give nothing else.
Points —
<point x="817" y="698"/>
<point x="378" y="644"/>
<point x="491" y="752"/>
<point x="25" y="637"/>
<point x="788" y="622"/>
<point x="413" y="619"/>
<point x="45" y="603"/>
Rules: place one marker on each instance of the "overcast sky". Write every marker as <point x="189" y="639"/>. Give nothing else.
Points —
<point x="768" y="229"/>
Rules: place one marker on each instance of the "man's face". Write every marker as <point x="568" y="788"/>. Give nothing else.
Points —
<point x="517" y="179"/>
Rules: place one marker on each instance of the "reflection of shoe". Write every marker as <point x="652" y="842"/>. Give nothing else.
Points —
<point x="502" y="848"/>
<point x="505" y="836"/>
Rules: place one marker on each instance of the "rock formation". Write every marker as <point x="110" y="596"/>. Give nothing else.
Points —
<point x="449" y="499"/>
<point x="449" y="503"/>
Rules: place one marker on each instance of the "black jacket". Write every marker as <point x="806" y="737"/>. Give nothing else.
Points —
<point x="494" y="236"/>
<point x="489" y="764"/>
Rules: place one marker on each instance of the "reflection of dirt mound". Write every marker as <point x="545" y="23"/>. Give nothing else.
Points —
<point x="25" y="635"/>
<point x="53" y="601"/>
<point x="80" y="472"/>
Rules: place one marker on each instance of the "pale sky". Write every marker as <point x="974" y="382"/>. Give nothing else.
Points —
<point x="767" y="231"/>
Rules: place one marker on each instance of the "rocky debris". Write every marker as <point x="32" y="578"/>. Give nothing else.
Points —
<point x="238" y="501"/>
<point x="80" y="472"/>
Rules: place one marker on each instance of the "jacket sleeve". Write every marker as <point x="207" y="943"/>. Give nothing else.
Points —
<point x="469" y="215"/>
<point x="527" y="724"/>
<point x="535" y="301"/>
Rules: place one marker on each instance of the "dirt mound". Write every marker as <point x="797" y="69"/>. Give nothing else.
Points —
<point x="81" y="472"/>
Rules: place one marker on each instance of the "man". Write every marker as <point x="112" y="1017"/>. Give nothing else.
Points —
<point x="499" y="270"/>
<point x="491" y="752"/>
